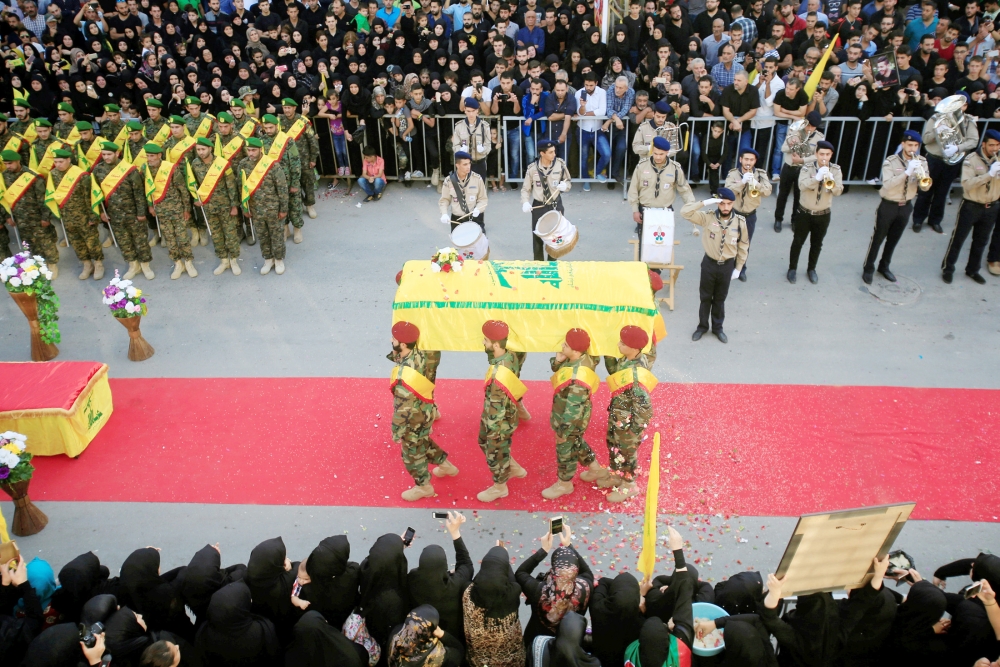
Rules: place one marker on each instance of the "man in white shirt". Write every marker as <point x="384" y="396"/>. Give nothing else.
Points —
<point x="768" y="84"/>
<point x="592" y="101"/>
<point x="477" y="90"/>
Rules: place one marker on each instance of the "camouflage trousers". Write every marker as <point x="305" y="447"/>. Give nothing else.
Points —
<point x="270" y="235"/>
<point x="225" y="233"/>
<point x="494" y="440"/>
<point x="571" y="449"/>
<point x="295" y="209"/>
<point x="622" y="447"/>
<point x="175" y="237"/>
<point x="411" y="428"/>
<point x="433" y="360"/>
<point x="5" y="239"/>
<point x="85" y="240"/>
<point x="132" y="240"/>
<point x="41" y="240"/>
<point x="308" y="185"/>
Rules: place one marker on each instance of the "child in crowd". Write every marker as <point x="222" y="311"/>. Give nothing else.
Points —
<point x="713" y="155"/>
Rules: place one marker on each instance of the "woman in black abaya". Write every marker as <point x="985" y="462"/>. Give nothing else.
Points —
<point x="270" y="577"/>
<point x="808" y="636"/>
<point x="385" y="600"/>
<point x="333" y="587"/>
<point x="233" y="636"/>
<point x="617" y="619"/>
<point x="431" y="583"/>
<point x="316" y="643"/>
<point x="420" y="642"/>
<point x="566" y="649"/>
<point x="972" y="635"/>
<point x="740" y="593"/>
<point x="157" y="597"/>
<point x="918" y="636"/>
<point x="79" y="580"/>
<point x="59" y="646"/>
<point x="489" y="609"/>
<point x="204" y="576"/>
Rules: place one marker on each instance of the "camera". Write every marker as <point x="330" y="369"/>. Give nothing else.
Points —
<point x="89" y="635"/>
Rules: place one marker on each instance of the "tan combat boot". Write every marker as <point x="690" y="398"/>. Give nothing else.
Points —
<point x="221" y="268"/>
<point x="133" y="268"/>
<point x="98" y="269"/>
<point x="147" y="271"/>
<point x="108" y="242"/>
<point x="288" y="230"/>
<point x="178" y="270"/>
<point x="88" y="268"/>
<point x="622" y="493"/>
<point x="279" y="266"/>
<point x="153" y="241"/>
<point x="268" y="265"/>
<point x="594" y="472"/>
<point x="418" y="492"/>
<point x="994" y="268"/>
<point x="557" y="490"/>
<point x="446" y="469"/>
<point x="234" y="264"/>
<point x="203" y="237"/>
<point x="522" y="412"/>
<point x="609" y="482"/>
<point x="297" y="235"/>
<point x="311" y="211"/>
<point x="495" y="492"/>
<point x="54" y="268"/>
<point x="194" y="236"/>
<point x="516" y="470"/>
<point x="189" y="265"/>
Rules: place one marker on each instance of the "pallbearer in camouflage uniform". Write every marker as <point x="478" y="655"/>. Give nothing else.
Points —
<point x="24" y="193"/>
<point x="25" y="124"/>
<point x="243" y="123"/>
<point x="280" y="147"/>
<point x="630" y="411"/>
<point x="11" y="141"/>
<point x="500" y="415"/>
<point x="264" y="197"/>
<point x="65" y="127"/>
<point x="218" y="197"/>
<point x="301" y="130"/>
<point x="69" y="186"/>
<point x="169" y="200"/>
<point x="574" y="381"/>
<point x="412" y="413"/>
<point x="125" y="209"/>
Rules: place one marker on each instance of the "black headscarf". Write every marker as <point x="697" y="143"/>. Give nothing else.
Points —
<point x="384" y="597"/>
<point x="494" y="588"/>
<point x="204" y="576"/>
<point x="431" y="583"/>
<point x="614" y="610"/>
<point x="357" y="104"/>
<point x="98" y="609"/>
<point x="125" y="639"/>
<point x="58" y="646"/>
<point x="316" y="643"/>
<point x="912" y="640"/>
<point x="987" y="566"/>
<point x="80" y="579"/>
<point x="654" y="642"/>
<point x="415" y="645"/>
<point x="747" y="646"/>
<point x="567" y="650"/>
<point x="233" y="635"/>
<point x="866" y="619"/>
<point x="270" y="584"/>
<point x="740" y="593"/>
<point x="333" y="590"/>
<point x="816" y="622"/>
<point x="146" y="591"/>
<point x="562" y="589"/>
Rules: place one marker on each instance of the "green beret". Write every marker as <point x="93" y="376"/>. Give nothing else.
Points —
<point x="83" y="125"/>
<point x="224" y="117"/>
<point x="255" y="142"/>
<point x="67" y="107"/>
<point x="59" y="152"/>
<point x="177" y="120"/>
<point x="202" y="141"/>
<point x="152" y="102"/>
<point x="109" y="146"/>
<point x="112" y="107"/>
<point x="237" y="103"/>
<point x="134" y="126"/>
<point x="152" y="148"/>
<point x="268" y="118"/>
<point x="21" y="102"/>
<point x="288" y="102"/>
<point x="10" y="156"/>
<point x="43" y="122"/>
<point x="192" y="100"/>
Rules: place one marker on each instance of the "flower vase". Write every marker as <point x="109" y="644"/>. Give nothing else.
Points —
<point x="40" y="350"/>
<point x="138" y="348"/>
<point x="28" y="519"/>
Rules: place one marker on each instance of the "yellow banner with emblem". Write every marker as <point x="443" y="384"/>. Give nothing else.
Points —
<point x="205" y="127"/>
<point x="115" y="178"/>
<point x="412" y="379"/>
<point x="507" y="380"/>
<point x="180" y="149"/>
<point x="297" y="128"/>
<point x="13" y="193"/>
<point x="539" y="301"/>
<point x="580" y="375"/>
<point x="622" y="380"/>
<point x="61" y="193"/>
<point x="161" y="134"/>
<point x="249" y="128"/>
<point x="213" y="177"/>
<point x="14" y="144"/>
<point x="44" y="166"/>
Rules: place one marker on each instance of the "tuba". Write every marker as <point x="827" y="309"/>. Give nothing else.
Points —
<point x="948" y="122"/>
<point x="672" y="133"/>
<point x="798" y="139"/>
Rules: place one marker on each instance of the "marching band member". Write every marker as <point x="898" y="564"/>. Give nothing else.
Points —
<point x="750" y="185"/>
<point x="544" y="182"/>
<point x="978" y="211"/>
<point x="799" y="149"/>
<point x="463" y="194"/>
<point x="642" y="142"/>
<point x="943" y="165"/>
<point x="819" y="183"/>
<point x="656" y="182"/>
<point x="472" y="136"/>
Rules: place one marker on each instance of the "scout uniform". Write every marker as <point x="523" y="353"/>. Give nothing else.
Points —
<point x="156" y="130"/>
<point x="169" y="200"/>
<point x="264" y="197"/>
<point x="656" y="186"/>
<point x="463" y="200"/>
<point x="900" y="185"/>
<point x="219" y="195"/>
<point x="281" y="148"/>
<point x="125" y="205"/>
<point x="930" y="203"/>
<point x="726" y="243"/>
<point x="499" y="419"/>
<point x="805" y="148"/>
<point x="746" y="205"/>
<point x="301" y="130"/>
<point x="67" y="195"/>
<point x="198" y="124"/>
<point x="473" y="139"/>
<point x="412" y="414"/>
<point x="542" y="192"/>
<point x="977" y="213"/>
<point x="630" y="411"/>
<point x="642" y="142"/>
<point x="811" y="218"/>
<point x="24" y="195"/>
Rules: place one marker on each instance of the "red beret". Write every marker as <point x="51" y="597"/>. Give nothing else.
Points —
<point x="578" y="340"/>
<point x="655" y="281"/>
<point x="634" y="337"/>
<point x="399" y="276"/>
<point x="495" y="330"/>
<point x="405" y="332"/>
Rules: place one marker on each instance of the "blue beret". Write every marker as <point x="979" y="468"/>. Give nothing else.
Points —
<point x="662" y="106"/>
<point x="992" y="134"/>
<point x="751" y="152"/>
<point x="545" y="144"/>
<point x="814" y="118"/>
<point x="727" y="194"/>
<point x="911" y="135"/>
<point x="661" y="143"/>
<point x="471" y="103"/>
<point x="824" y="144"/>
<point x="462" y="155"/>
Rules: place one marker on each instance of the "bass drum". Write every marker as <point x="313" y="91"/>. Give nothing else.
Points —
<point x="470" y="242"/>
<point x="559" y="234"/>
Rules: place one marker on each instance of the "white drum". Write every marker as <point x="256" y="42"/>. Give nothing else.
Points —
<point x="559" y="234"/>
<point x="470" y="241"/>
<point x="657" y="236"/>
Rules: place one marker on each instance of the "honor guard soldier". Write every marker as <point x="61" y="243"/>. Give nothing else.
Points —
<point x="412" y="413"/>
<point x="28" y="212"/>
<point x="819" y="183"/>
<point x="68" y="189"/>
<point x="500" y="416"/>
<point x="281" y="148"/>
<point x="113" y="127"/>
<point x="944" y="163"/>
<point x="65" y="127"/>
<point x="642" y="142"/>
<point x="218" y="198"/>
<point x="574" y="382"/>
<point x="798" y="149"/>
<point x="265" y="197"/>
<point x="904" y="175"/>
<point x="24" y="126"/>
<point x="463" y="194"/>
<point x="157" y="129"/>
<point x="12" y="141"/>
<point x="170" y="204"/>
<point x="300" y="129"/>
<point x="978" y="211"/>
<point x="472" y="136"/>
<point x="750" y="185"/>
<point x="544" y="182"/>
<point x="656" y="182"/>
<point x="198" y="125"/>
<point x="124" y="209"/>
<point x="726" y="241"/>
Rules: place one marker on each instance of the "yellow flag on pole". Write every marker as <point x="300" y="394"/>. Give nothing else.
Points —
<point x="647" y="557"/>
<point x="813" y="83"/>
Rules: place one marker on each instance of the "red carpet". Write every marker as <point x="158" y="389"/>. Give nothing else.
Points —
<point x="743" y="449"/>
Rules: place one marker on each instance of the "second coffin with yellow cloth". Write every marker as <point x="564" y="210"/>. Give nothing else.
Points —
<point x="539" y="301"/>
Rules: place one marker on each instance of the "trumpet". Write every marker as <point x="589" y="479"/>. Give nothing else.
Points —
<point x="828" y="181"/>
<point x="754" y="190"/>
<point x="923" y="178"/>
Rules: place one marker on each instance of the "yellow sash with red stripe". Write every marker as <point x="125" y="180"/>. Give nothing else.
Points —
<point x="212" y="178"/>
<point x="249" y="128"/>
<point x="413" y="380"/>
<point x="13" y="193"/>
<point x="277" y="150"/>
<point x="14" y="144"/>
<point x="156" y="188"/>
<point x="161" y="135"/>
<point x="69" y="180"/>
<point x="581" y="375"/>
<point x="505" y="378"/>
<point x="115" y="178"/>
<point x="297" y="128"/>
<point x="231" y="148"/>
<point x="252" y="182"/>
<point x="205" y="128"/>
<point x="122" y="137"/>
<point x="44" y="166"/>
<point x="180" y="148"/>
<point x="622" y="380"/>
<point x="92" y="155"/>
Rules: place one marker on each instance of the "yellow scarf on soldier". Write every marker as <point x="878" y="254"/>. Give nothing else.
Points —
<point x="413" y="380"/>
<point x="115" y="178"/>
<point x="205" y="128"/>
<point x="44" y="166"/>
<point x="74" y="136"/>
<point x="136" y="160"/>
<point x="231" y="148"/>
<point x="162" y="134"/>
<point x="505" y="378"/>
<point x="297" y="128"/>
<point x="56" y="197"/>
<point x="13" y="193"/>
<point x="30" y="134"/>
<point x="624" y="379"/>
<point x="249" y="129"/>
<point x="213" y="177"/>
<point x="156" y="188"/>
<point x="122" y="137"/>
<point x="252" y="182"/>
<point x="90" y="158"/>
<point x="180" y="148"/>
<point x="281" y="143"/>
<point x="14" y="144"/>
<point x="581" y="375"/>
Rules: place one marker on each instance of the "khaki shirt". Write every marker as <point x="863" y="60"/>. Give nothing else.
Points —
<point x="977" y="184"/>
<point x="721" y="240"/>
<point x="896" y="185"/>
<point x="969" y="129"/>
<point x="812" y="140"/>
<point x="469" y="139"/>
<point x="642" y="142"/>
<point x="744" y="202"/>
<point x="814" y="195"/>
<point x="554" y="175"/>
<point x="643" y="190"/>
<point x="475" y="196"/>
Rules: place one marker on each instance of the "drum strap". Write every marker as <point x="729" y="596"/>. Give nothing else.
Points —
<point x="460" y="191"/>
<point x="544" y="178"/>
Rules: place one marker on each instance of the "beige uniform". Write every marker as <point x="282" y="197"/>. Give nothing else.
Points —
<point x="657" y="187"/>
<point x="969" y="130"/>
<point x="469" y="138"/>
<point x="815" y="197"/>
<point x="812" y="140"/>
<point x="642" y="142"/>
<point x="532" y="189"/>
<point x="721" y="241"/>
<point x="475" y="197"/>
<point x="977" y="184"/>
<point x="744" y="202"/>
<point x="897" y="186"/>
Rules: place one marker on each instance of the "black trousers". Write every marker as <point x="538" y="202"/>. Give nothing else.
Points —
<point x="714" y="288"/>
<point x="537" y="211"/>
<point x="789" y="183"/>
<point x="751" y="219"/>
<point x="978" y="219"/>
<point x="890" y="223"/>
<point x="479" y="166"/>
<point x="456" y="220"/>
<point x="994" y="254"/>
<point x="930" y="204"/>
<point x="808" y="226"/>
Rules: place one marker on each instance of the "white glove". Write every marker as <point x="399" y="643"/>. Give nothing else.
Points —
<point x="821" y="172"/>
<point x="747" y="177"/>
<point x="949" y="150"/>
<point x="995" y="169"/>
<point x="475" y="213"/>
<point x="526" y="207"/>
<point x="710" y="202"/>
<point x="563" y="186"/>
<point x="911" y="166"/>
<point x="445" y="218"/>
<point x="736" y="274"/>
<point x="480" y="148"/>
<point x="462" y="147"/>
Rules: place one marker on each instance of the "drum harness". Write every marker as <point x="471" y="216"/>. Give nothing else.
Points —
<point x="544" y="178"/>
<point x="460" y="189"/>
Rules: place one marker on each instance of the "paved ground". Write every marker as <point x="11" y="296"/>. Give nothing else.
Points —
<point x="329" y="316"/>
